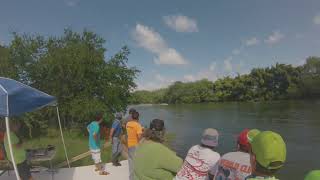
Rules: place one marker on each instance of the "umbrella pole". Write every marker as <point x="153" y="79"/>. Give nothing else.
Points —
<point x="10" y="149"/>
<point x="64" y="146"/>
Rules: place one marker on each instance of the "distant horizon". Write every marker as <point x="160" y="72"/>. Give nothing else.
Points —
<point x="151" y="90"/>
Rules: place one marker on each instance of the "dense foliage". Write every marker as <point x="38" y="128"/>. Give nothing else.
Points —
<point x="261" y="84"/>
<point x="72" y="68"/>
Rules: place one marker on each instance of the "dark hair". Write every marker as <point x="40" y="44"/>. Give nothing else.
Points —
<point x="265" y="171"/>
<point x="156" y="136"/>
<point x="244" y="148"/>
<point x="157" y="125"/>
<point x="135" y="115"/>
<point x="99" y="116"/>
<point x="206" y="146"/>
<point x="156" y="131"/>
<point x="132" y="110"/>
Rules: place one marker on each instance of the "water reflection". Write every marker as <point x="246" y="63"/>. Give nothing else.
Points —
<point x="297" y="121"/>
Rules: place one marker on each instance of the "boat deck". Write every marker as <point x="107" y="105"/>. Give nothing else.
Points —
<point x="79" y="173"/>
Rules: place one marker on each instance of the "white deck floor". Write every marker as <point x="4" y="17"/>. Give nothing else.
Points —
<point x="79" y="173"/>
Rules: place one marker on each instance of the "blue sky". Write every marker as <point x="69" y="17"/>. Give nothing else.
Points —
<point x="180" y="39"/>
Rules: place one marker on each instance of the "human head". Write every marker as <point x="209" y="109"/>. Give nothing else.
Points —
<point x="156" y="131"/>
<point x="135" y="116"/>
<point x="243" y="142"/>
<point x="210" y="138"/>
<point x="99" y="118"/>
<point x="131" y="110"/>
<point x="118" y="116"/>
<point x="313" y="175"/>
<point x="268" y="153"/>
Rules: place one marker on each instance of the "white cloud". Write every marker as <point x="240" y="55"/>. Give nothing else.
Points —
<point x="212" y="66"/>
<point x="170" y="56"/>
<point x="316" y="19"/>
<point x="181" y="23"/>
<point x="227" y="64"/>
<point x="152" y="41"/>
<point x="236" y="51"/>
<point x="159" y="82"/>
<point x="209" y="74"/>
<point x="189" y="78"/>
<point x="274" y="38"/>
<point x="252" y="41"/>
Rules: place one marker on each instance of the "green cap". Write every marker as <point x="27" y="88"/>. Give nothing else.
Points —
<point x="269" y="149"/>
<point x="252" y="133"/>
<point x="313" y="175"/>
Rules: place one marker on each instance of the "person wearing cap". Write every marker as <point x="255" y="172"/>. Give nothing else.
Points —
<point x="201" y="159"/>
<point x="267" y="155"/>
<point x="236" y="165"/>
<point x="129" y="117"/>
<point x="115" y="134"/>
<point x="152" y="159"/>
<point x="313" y="175"/>
<point x="134" y="132"/>
<point x="94" y="143"/>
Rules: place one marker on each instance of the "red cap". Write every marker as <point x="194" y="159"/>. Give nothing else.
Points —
<point x="243" y="139"/>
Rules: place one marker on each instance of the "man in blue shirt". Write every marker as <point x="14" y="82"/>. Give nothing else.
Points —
<point x="115" y="134"/>
<point x="94" y="144"/>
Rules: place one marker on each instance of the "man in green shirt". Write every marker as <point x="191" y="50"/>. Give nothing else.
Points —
<point x="152" y="159"/>
<point x="19" y="152"/>
<point x="267" y="156"/>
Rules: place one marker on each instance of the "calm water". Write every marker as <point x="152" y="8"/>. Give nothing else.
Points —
<point x="297" y="121"/>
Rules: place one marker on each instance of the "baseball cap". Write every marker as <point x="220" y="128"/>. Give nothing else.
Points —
<point x="251" y="134"/>
<point x="269" y="149"/>
<point x="313" y="175"/>
<point x="243" y="139"/>
<point x="210" y="137"/>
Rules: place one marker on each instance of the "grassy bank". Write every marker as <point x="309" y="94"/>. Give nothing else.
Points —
<point x="76" y="143"/>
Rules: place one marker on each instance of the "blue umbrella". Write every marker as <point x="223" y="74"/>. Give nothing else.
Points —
<point x="17" y="98"/>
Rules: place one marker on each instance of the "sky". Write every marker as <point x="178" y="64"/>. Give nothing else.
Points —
<point x="180" y="40"/>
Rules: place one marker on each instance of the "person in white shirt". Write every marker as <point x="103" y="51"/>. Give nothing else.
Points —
<point x="201" y="158"/>
<point x="236" y="165"/>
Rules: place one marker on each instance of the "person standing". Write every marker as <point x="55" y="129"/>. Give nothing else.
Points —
<point x="267" y="156"/>
<point x="94" y="144"/>
<point x="201" y="159"/>
<point x="115" y="134"/>
<point x="19" y="152"/>
<point x="129" y="117"/>
<point x="134" y="132"/>
<point x="236" y="165"/>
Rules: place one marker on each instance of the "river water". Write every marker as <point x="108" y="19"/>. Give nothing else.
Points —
<point x="298" y="122"/>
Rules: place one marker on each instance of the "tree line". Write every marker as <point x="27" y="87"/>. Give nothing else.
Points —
<point x="281" y="81"/>
<point x="73" y="68"/>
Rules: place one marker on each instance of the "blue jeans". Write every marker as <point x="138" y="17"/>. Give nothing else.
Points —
<point x="131" y="152"/>
<point x="116" y="149"/>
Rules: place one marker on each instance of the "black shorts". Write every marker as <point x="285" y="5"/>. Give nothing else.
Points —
<point x="24" y="170"/>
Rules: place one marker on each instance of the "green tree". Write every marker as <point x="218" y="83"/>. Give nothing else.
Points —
<point x="73" y="68"/>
